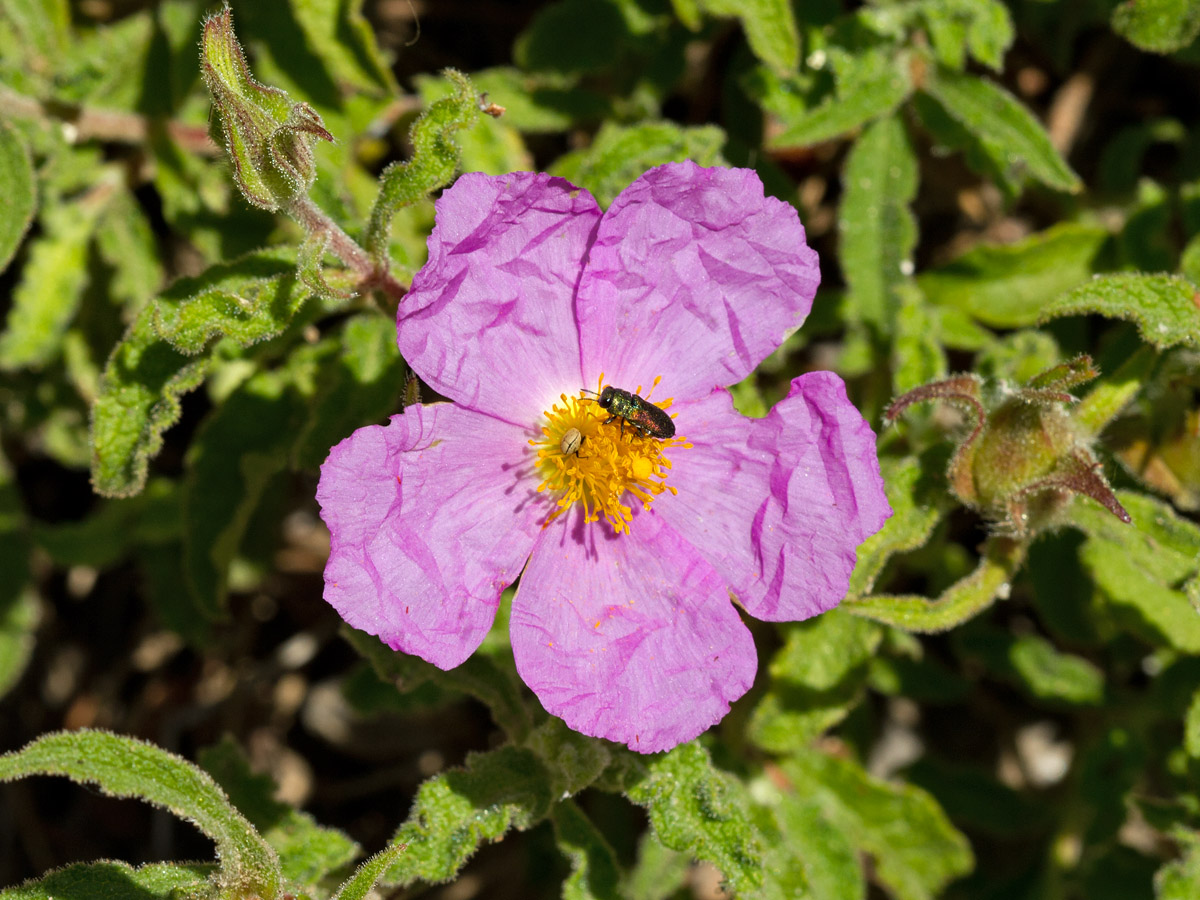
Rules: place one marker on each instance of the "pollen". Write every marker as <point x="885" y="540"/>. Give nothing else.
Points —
<point x="608" y="469"/>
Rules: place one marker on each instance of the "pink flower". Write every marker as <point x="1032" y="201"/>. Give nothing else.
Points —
<point x="630" y="548"/>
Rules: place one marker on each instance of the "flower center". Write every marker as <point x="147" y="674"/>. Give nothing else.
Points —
<point x="586" y="460"/>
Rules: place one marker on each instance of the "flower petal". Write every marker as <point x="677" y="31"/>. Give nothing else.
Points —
<point x="630" y="638"/>
<point x="430" y="517"/>
<point x="695" y="276"/>
<point x="778" y="505"/>
<point x="490" y="319"/>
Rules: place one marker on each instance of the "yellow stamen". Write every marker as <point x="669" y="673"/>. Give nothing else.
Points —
<point x="607" y="463"/>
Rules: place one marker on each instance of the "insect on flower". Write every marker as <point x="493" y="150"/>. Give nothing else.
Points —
<point x="639" y="412"/>
<point x="571" y="441"/>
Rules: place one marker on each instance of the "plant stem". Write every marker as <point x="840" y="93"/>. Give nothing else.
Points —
<point x="314" y="220"/>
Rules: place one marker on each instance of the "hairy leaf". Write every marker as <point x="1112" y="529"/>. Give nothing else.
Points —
<point x="594" y="871"/>
<point x="870" y="84"/>
<point x="52" y="282"/>
<point x="460" y="809"/>
<point x="360" y="884"/>
<point x="1166" y="308"/>
<point x="770" y="28"/>
<point x="434" y="161"/>
<point x="696" y="808"/>
<point x="18" y="189"/>
<point x="1160" y="26"/>
<point x="307" y="851"/>
<point x="878" y="230"/>
<point x="125" y="767"/>
<point x="961" y="601"/>
<point x="916" y="849"/>
<point x="116" y="881"/>
<point x="1010" y="286"/>
<point x="1003" y="126"/>
<point x="160" y="358"/>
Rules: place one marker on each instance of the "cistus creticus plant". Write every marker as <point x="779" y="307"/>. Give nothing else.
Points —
<point x="622" y="624"/>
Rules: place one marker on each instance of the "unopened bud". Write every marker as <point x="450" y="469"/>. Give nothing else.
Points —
<point x="268" y="137"/>
<point x="1023" y="457"/>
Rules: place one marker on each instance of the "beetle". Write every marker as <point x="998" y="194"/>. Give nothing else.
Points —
<point x="650" y="420"/>
<point x="571" y="441"/>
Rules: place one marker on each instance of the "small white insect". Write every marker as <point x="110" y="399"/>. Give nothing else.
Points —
<point x="571" y="441"/>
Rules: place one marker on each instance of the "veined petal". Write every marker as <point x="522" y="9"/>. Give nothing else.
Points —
<point x="490" y="319"/>
<point x="779" y="505"/>
<point x="695" y="276"/>
<point x="430" y="517"/>
<point x="629" y="637"/>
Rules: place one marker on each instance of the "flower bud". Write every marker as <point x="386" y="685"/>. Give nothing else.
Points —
<point x="1024" y="456"/>
<point x="268" y="137"/>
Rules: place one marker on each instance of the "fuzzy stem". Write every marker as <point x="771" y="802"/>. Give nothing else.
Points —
<point x="371" y="276"/>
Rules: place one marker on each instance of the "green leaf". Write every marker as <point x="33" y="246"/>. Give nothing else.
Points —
<point x="248" y="300"/>
<point x="829" y="858"/>
<point x="18" y="189"/>
<point x="659" y="871"/>
<point x="1160" y="26"/>
<point x="242" y="446"/>
<point x="620" y="153"/>
<point x="1036" y="666"/>
<point x="916" y="849"/>
<point x="963" y="600"/>
<point x="1191" y="728"/>
<point x="697" y="809"/>
<point x="816" y="678"/>
<point x="574" y="761"/>
<point x="456" y="811"/>
<point x="125" y="767"/>
<point x="1003" y="126"/>
<point x="433" y="164"/>
<point x="114" y="528"/>
<point x="362" y="881"/>
<point x="594" y="872"/>
<point x="918" y="504"/>
<point x="1142" y="569"/>
<point x="1010" y="286"/>
<point x="1180" y="879"/>
<point x="1166" y="308"/>
<point x="307" y="852"/>
<point x="359" y="384"/>
<point x="479" y="677"/>
<point x="496" y="148"/>
<point x="125" y="241"/>
<point x="337" y="32"/>
<point x="52" y="282"/>
<point x="878" y="230"/>
<point x="770" y="28"/>
<point x="871" y="83"/>
<point x="1111" y="393"/>
<point x="116" y="881"/>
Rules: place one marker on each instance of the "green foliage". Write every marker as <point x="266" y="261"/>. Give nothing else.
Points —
<point x="434" y="161"/>
<point x="878" y="230"/>
<point x="1011" y="285"/>
<point x="307" y="852"/>
<point x="695" y="808"/>
<point x="457" y="811"/>
<point x="115" y="881"/>
<point x="124" y="767"/>
<point x="915" y="848"/>
<point x="1160" y="26"/>
<point x="1010" y="137"/>
<point x="18" y="188"/>
<point x="1033" y="689"/>
<point x="1166" y="308"/>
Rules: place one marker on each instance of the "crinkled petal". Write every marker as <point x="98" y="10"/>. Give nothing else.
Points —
<point x="778" y="505"/>
<point x="430" y="517"/>
<point x="490" y="319"/>
<point x="631" y="638"/>
<point x="695" y="276"/>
